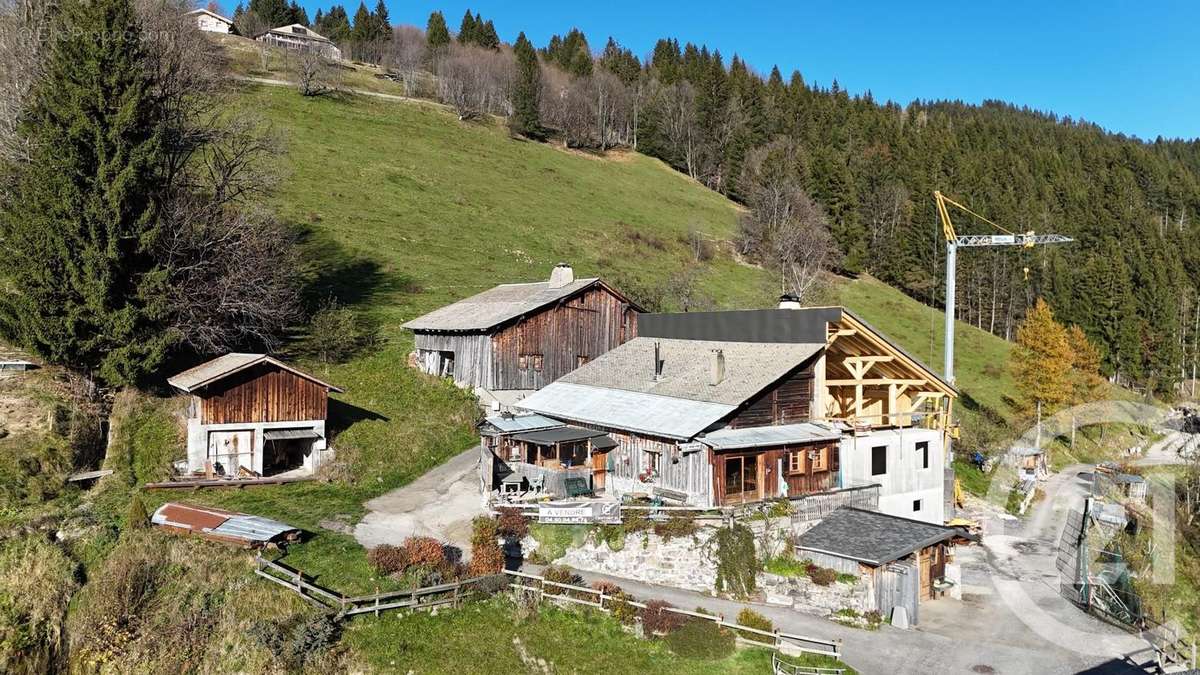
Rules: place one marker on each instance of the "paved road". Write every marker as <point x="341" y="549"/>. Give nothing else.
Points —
<point x="439" y="504"/>
<point x="1166" y="450"/>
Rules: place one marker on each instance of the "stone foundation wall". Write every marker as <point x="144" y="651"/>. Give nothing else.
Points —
<point x="680" y="562"/>
<point x="803" y="595"/>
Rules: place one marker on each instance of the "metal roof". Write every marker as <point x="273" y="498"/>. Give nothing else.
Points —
<point x="517" y="423"/>
<point x="754" y="437"/>
<point x="209" y="520"/>
<point x="224" y="366"/>
<point x="290" y="434"/>
<point x="750" y="367"/>
<point x="495" y="306"/>
<point x="651" y="414"/>
<point x="559" y="435"/>
<point x="871" y="537"/>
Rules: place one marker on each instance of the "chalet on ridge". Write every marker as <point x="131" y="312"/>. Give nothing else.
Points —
<point x="253" y="415"/>
<point x="717" y="408"/>
<point x="523" y="336"/>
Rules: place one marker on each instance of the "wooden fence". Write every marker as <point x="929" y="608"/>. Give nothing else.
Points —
<point x="452" y="595"/>
<point x="543" y="588"/>
<point x="781" y="667"/>
<point x="424" y="598"/>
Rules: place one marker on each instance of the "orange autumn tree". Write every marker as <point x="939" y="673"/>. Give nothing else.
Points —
<point x="1043" y="359"/>
<point x="1085" y="367"/>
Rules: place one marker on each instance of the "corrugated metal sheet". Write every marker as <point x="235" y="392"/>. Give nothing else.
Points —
<point x="652" y="414"/>
<point x="750" y="367"/>
<point x="754" y="437"/>
<point x="495" y="306"/>
<point x="518" y="423"/>
<point x="223" y="366"/>
<point x="205" y="520"/>
<point x="557" y="435"/>
<point x="290" y="434"/>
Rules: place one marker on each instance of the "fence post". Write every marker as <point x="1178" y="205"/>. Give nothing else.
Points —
<point x="299" y="586"/>
<point x="377" y="602"/>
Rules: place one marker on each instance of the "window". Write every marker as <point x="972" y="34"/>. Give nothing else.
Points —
<point x="537" y="362"/>
<point x="580" y="359"/>
<point x="652" y="462"/>
<point x="527" y="361"/>
<point x="820" y="459"/>
<point x="796" y="461"/>
<point x="523" y="362"/>
<point x="879" y="460"/>
<point x="916" y="505"/>
<point x="923" y="448"/>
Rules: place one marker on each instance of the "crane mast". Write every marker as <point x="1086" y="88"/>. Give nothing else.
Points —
<point x="955" y="240"/>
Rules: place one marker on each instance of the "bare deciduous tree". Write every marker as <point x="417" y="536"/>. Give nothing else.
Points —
<point x="405" y="56"/>
<point x="678" y="103"/>
<point x="23" y="27"/>
<point x="476" y="81"/>
<point x="316" y="75"/>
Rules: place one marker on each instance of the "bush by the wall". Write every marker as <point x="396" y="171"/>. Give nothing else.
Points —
<point x="387" y="559"/>
<point x="678" y="525"/>
<point x="700" y="639"/>
<point x="821" y="576"/>
<point x="737" y="562"/>
<point x="424" y="551"/>
<point x="752" y="619"/>
<point x="561" y="574"/>
<point x="512" y="523"/>
<point x="657" y="621"/>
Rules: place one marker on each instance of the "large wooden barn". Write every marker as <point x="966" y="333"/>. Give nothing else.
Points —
<point x="253" y="415"/>
<point x="717" y="408"/>
<point x="523" y="336"/>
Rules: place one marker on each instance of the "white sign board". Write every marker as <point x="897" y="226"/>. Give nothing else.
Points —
<point x="579" y="513"/>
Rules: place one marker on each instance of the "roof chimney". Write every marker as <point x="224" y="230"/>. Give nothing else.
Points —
<point x="716" y="368"/>
<point x="789" y="301"/>
<point x="562" y="275"/>
<point x="658" y="362"/>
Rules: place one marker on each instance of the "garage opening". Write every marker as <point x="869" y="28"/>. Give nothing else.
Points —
<point x="287" y="449"/>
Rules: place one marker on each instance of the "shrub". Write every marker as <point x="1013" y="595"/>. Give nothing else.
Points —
<point x="676" y="526"/>
<point x="512" y="523"/>
<point x="607" y="588"/>
<point x="486" y="558"/>
<point x="657" y="621"/>
<point x="844" y="578"/>
<point x="136" y="518"/>
<point x="296" y="643"/>
<point x="752" y="619"/>
<point x="780" y="509"/>
<point x="785" y="566"/>
<point x="337" y="333"/>
<point x="491" y="585"/>
<point x="821" y="576"/>
<point x="622" y="609"/>
<point x="874" y="619"/>
<point x="387" y="559"/>
<point x="424" y="551"/>
<point x="561" y="574"/>
<point x="700" y="639"/>
<point x="613" y="535"/>
<point x="737" y="563"/>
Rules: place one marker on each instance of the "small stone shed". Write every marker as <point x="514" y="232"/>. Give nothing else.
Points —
<point x="903" y="560"/>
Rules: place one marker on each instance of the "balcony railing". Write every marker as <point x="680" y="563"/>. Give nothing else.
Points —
<point x="547" y="480"/>
<point x="808" y="508"/>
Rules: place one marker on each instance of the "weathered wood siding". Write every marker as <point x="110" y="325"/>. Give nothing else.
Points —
<point x="263" y="393"/>
<point x="688" y="472"/>
<point x="772" y="464"/>
<point x="789" y="401"/>
<point x="472" y="356"/>
<point x="585" y="325"/>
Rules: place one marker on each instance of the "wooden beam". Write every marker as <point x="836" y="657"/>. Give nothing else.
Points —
<point x="879" y="381"/>
<point x="843" y="332"/>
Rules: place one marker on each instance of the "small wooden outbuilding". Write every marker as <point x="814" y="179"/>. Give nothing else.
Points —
<point x="252" y="415"/>
<point x="904" y="560"/>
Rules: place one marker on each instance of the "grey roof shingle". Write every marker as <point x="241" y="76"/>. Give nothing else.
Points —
<point x="228" y="364"/>
<point x="651" y="414"/>
<point x="871" y="537"/>
<point x="749" y="368"/>
<point x="495" y="306"/>
<point x="784" y="434"/>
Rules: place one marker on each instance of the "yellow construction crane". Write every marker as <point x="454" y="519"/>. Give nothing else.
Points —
<point x="954" y="240"/>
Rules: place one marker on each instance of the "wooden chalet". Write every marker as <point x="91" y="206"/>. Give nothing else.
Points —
<point x="717" y="408"/>
<point x="252" y="415"/>
<point x="523" y="336"/>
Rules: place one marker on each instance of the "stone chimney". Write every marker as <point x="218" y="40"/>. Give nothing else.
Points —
<point x="789" y="301"/>
<point x="658" y="361"/>
<point x="562" y="275"/>
<point x="716" y="368"/>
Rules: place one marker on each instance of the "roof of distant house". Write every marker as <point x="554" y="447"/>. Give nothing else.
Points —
<point x="498" y="305"/>
<point x="223" y="366"/>
<point x="784" y="434"/>
<point x="212" y="14"/>
<point x="298" y="31"/>
<point x="871" y="537"/>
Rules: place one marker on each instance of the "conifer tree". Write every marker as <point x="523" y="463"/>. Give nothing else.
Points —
<point x="80" y="230"/>
<point x="364" y="26"/>
<point x="487" y="36"/>
<point x="1085" y="366"/>
<point x="437" y="35"/>
<point x="383" y="23"/>
<point x="1042" y="360"/>
<point x="467" y="29"/>
<point x="525" y="119"/>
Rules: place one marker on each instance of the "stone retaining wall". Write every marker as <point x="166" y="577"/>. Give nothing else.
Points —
<point x="680" y="562"/>
<point x="803" y="595"/>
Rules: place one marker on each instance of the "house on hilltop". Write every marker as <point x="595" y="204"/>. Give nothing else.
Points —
<point x="521" y="337"/>
<point x="302" y="39"/>
<point x="720" y="408"/>
<point x="251" y="414"/>
<point x="211" y="22"/>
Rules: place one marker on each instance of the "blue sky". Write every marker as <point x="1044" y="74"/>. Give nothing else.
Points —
<point x="1130" y="67"/>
